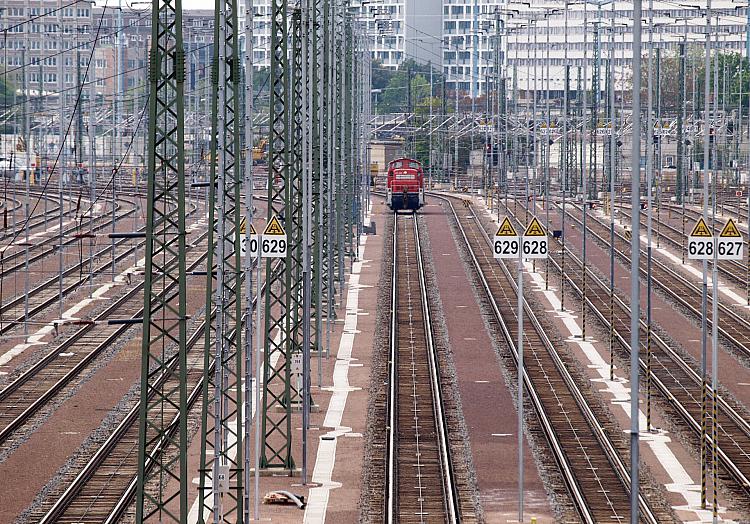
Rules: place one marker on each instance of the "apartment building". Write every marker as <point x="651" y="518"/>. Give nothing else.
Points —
<point x="121" y="56"/>
<point x="37" y="36"/>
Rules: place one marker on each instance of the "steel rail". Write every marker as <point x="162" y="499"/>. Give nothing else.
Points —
<point x="34" y="222"/>
<point x="104" y="221"/>
<point x="450" y="491"/>
<point x="727" y="313"/>
<point x="572" y="483"/>
<point x="448" y="484"/>
<point x="741" y="478"/>
<point x="722" y="267"/>
<point x="68" y="289"/>
<point x="120" y="507"/>
<point x="39" y="366"/>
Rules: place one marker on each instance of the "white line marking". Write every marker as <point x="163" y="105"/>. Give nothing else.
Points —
<point x="317" y="504"/>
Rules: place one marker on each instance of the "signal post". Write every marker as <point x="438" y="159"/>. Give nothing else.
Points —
<point x="533" y="244"/>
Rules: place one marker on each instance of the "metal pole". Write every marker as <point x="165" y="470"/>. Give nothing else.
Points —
<point x="92" y="171"/>
<point x="715" y="377"/>
<point x="547" y="154"/>
<point x="455" y="136"/>
<point x="248" y="267"/>
<point x="564" y="182"/>
<point x="27" y="173"/>
<point x="635" y="304"/>
<point x="61" y="174"/>
<point x="585" y="175"/>
<point x="612" y="168"/>
<point x="649" y="203"/>
<point x="258" y="385"/>
<point x="429" y="156"/>
<point x="704" y="290"/>
<point x="306" y="238"/>
<point x="520" y="387"/>
<point x="714" y="282"/>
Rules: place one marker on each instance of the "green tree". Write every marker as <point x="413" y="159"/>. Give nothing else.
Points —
<point x="380" y="75"/>
<point x="733" y="79"/>
<point x="395" y="95"/>
<point x="6" y="92"/>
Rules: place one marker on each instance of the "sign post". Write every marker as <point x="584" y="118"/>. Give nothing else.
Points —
<point x="506" y="243"/>
<point x="534" y="245"/>
<point x="273" y="241"/>
<point x="701" y="242"/>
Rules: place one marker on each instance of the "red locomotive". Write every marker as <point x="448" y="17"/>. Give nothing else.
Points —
<point x="405" y="184"/>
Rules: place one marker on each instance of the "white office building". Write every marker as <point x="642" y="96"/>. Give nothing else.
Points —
<point x="533" y="40"/>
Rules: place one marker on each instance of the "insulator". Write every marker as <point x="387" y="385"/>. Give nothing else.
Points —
<point x="215" y="72"/>
<point x="153" y="67"/>
<point x="179" y="66"/>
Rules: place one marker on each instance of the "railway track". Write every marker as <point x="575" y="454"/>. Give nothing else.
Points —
<point x="733" y="327"/>
<point x="22" y="398"/>
<point x="590" y="465"/>
<point x="104" y="486"/>
<point x="733" y="270"/>
<point x="420" y="484"/>
<point x="35" y="221"/>
<point x="677" y="383"/>
<point x="15" y="260"/>
<point x="45" y="294"/>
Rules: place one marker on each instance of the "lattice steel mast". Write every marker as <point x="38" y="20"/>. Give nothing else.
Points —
<point x="276" y="447"/>
<point x="162" y="484"/>
<point x="222" y="394"/>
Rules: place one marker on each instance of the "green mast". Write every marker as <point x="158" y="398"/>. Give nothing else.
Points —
<point x="162" y="484"/>
<point x="221" y="434"/>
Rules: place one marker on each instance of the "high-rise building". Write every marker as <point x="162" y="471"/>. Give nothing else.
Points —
<point x="531" y="40"/>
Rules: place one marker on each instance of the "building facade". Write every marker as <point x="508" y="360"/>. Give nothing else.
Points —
<point x="37" y="37"/>
<point x="533" y="42"/>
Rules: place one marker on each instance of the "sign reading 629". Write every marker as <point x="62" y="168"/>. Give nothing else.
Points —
<point x="273" y="246"/>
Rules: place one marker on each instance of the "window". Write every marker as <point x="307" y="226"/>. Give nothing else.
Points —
<point x="100" y="63"/>
<point x="15" y="11"/>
